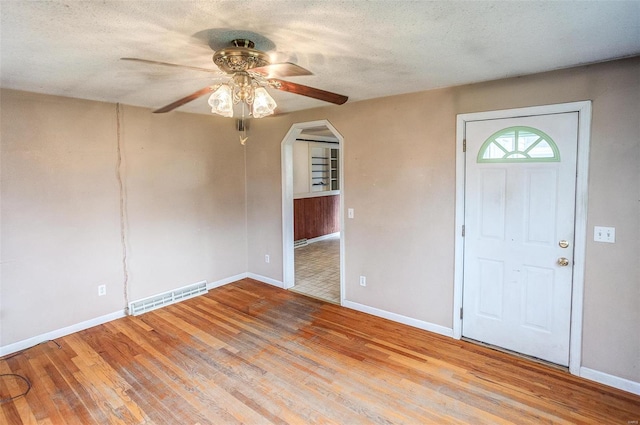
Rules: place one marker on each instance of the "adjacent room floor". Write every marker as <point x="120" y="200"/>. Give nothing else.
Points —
<point x="318" y="269"/>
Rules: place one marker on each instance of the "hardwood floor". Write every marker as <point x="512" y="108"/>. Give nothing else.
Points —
<point x="251" y="353"/>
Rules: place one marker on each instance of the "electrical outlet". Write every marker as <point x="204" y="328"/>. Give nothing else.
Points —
<point x="102" y="290"/>
<point x="266" y="258"/>
<point x="363" y="281"/>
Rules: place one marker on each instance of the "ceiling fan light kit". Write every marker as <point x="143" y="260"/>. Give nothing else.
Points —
<point x="242" y="88"/>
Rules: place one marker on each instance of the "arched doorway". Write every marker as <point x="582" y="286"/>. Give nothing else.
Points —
<point x="321" y="133"/>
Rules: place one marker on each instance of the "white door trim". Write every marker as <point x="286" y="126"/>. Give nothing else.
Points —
<point x="288" y="264"/>
<point x="584" y="132"/>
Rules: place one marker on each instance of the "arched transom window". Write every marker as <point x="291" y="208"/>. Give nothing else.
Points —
<point x="519" y="144"/>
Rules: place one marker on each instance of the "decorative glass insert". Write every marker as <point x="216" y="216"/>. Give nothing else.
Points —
<point x="519" y="144"/>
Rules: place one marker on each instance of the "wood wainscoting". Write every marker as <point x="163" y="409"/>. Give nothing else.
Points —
<point x="251" y="353"/>
<point x="316" y="216"/>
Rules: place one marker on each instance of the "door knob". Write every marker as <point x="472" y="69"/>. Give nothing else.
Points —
<point x="563" y="262"/>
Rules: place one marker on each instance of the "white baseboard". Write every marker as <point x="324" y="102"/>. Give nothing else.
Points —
<point x="265" y="279"/>
<point x="420" y="324"/>
<point x="323" y="237"/>
<point x="58" y="333"/>
<point x="610" y="380"/>
<point x="226" y="281"/>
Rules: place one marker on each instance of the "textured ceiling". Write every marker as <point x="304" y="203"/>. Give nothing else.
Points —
<point x="360" y="49"/>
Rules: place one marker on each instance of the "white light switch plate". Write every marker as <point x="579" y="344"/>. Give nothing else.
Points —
<point x="604" y="234"/>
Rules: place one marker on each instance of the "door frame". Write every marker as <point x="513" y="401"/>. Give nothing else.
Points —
<point x="583" y="108"/>
<point x="288" y="259"/>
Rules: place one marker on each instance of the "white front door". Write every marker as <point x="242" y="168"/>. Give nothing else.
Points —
<point x="520" y="185"/>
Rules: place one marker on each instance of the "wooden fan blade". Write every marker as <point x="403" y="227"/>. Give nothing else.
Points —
<point x="284" y="69"/>
<point x="187" y="99"/>
<point x="175" y="65"/>
<point x="327" y="96"/>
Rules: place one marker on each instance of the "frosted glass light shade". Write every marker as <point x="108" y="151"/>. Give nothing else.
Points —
<point x="263" y="104"/>
<point x="221" y="101"/>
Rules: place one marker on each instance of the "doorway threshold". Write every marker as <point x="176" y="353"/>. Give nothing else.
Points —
<point x="516" y="354"/>
<point x="313" y="296"/>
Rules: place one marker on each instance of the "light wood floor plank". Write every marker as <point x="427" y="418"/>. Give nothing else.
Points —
<point x="251" y="353"/>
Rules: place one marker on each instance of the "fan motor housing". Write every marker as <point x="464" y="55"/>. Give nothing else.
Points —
<point x="241" y="56"/>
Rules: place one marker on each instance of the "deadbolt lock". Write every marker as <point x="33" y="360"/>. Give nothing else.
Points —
<point x="563" y="244"/>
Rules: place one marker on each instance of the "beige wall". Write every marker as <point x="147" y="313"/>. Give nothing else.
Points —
<point x="400" y="178"/>
<point x="60" y="219"/>
<point x="264" y="196"/>
<point x="185" y="200"/>
<point x="60" y="239"/>
<point x="185" y="184"/>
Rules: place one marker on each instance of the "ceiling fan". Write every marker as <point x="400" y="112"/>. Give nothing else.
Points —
<point x="248" y="72"/>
